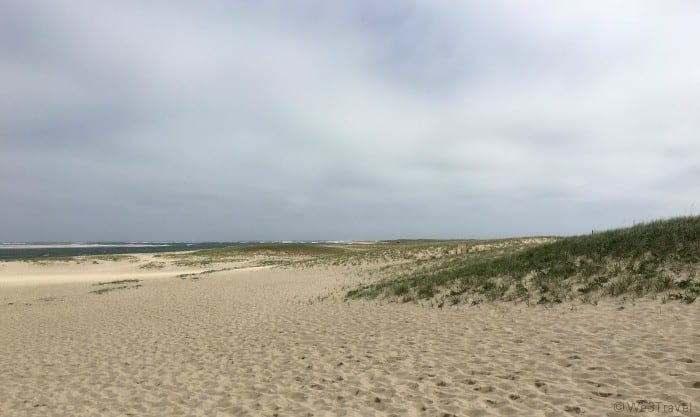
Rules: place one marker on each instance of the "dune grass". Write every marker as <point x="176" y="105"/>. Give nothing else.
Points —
<point x="197" y="275"/>
<point x="278" y="253"/>
<point x="306" y="249"/>
<point x="120" y="281"/>
<point x="108" y="286"/>
<point x="660" y="256"/>
<point x="152" y="265"/>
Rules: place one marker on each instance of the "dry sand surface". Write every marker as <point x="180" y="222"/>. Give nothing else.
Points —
<point x="267" y="343"/>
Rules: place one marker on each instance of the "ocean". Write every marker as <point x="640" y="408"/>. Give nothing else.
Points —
<point x="42" y="249"/>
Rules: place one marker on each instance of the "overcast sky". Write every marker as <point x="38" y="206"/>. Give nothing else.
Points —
<point x="220" y="120"/>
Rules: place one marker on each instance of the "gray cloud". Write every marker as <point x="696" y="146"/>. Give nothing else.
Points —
<point x="325" y="120"/>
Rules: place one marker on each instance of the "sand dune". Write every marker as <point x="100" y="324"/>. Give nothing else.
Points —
<point x="270" y="343"/>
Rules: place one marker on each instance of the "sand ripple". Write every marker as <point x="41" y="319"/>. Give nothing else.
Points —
<point x="251" y="344"/>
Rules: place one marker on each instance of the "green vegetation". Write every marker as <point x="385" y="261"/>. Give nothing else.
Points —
<point x="152" y="265"/>
<point x="111" y="258"/>
<point x="115" y="285"/>
<point x="275" y="254"/>
<point x="197" y="275"/>
<point x="79" y="259"/>
<point x="296" y="249"/>
<point x="101" y="291"/>
<point x="121" y="281"/>
<point x="657" y="257"/>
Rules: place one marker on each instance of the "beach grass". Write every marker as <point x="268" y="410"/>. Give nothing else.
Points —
<point x="108" y="286"/>
<point x="650" y="258"/>
<point x="152" y="265"/>
<point x="295" y="249"/>
<point x="269" y="253"/>
<point x="120" y="281"/>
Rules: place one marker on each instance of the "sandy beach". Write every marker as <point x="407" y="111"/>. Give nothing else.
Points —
<point x="280" y="341"/>
<point x="349" y="208"/>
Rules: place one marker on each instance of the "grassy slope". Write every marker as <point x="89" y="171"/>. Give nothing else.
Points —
<point x="277" y="254"/>
<point x="661" y="256"/>
<point x="301" y="249"/>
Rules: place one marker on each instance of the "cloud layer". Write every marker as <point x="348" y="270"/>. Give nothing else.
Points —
<point x="125" y="120"/>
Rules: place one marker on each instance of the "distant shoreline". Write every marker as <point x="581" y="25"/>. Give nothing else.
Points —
<point x="38" y="250"/>
<point x="33" y="250"/>
<point x="76" y="245"/>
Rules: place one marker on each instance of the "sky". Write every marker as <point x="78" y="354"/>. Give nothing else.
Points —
<point x="342" y="120"/>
